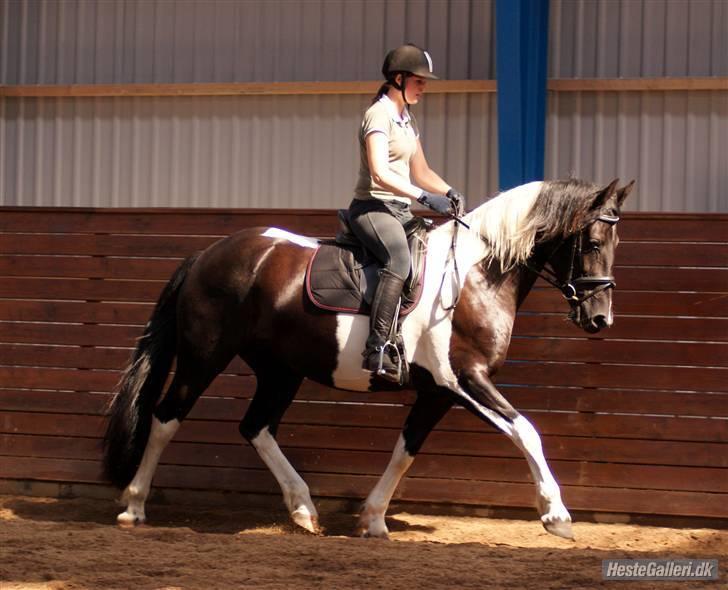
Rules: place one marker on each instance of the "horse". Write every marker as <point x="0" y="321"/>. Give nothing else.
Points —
<point x="242" y="293"/>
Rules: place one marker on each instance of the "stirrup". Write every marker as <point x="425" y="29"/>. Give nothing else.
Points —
<point x="380" y="371"/>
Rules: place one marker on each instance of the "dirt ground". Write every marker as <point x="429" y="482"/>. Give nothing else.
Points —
<point x="50" y="544"/>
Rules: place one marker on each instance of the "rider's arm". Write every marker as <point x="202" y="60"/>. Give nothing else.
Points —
<point x="378" y="157"/>
<point x="424" y="176"/>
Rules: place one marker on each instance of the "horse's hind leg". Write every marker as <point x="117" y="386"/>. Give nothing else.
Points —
<point x="273" y="395"/>
<point x="190" y="380"/>
<point x="426" y="412"/>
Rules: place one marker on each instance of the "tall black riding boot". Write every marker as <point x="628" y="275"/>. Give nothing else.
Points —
<point x="384" y="308"/>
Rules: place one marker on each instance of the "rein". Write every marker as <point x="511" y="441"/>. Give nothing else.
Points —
<point x="570" y="288"/>
<point x="452" y="255"/>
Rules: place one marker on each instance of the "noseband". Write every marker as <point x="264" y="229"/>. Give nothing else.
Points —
<point x="571" y="287"/>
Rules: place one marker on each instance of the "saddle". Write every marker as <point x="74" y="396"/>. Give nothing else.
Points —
<point x="342" y="276"/>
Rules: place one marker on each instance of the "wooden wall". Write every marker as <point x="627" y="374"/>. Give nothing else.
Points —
<point x="634" y="420"/>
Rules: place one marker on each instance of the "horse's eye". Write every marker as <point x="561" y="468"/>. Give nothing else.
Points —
<point x="594" y="245"/>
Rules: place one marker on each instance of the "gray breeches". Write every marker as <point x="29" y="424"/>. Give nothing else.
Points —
<point x="379" y="225"/>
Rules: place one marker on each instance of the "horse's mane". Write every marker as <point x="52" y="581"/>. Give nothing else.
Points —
<point x="511" y="222"/>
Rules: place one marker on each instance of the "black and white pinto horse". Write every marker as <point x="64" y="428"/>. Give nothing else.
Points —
<point x="244" y="295"/>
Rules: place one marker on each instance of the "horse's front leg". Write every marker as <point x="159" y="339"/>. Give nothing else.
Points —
<point x="480" y="396"/>
<point x="426" y="412"/>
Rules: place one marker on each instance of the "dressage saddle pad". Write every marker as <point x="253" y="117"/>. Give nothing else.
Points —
<point x="342" y="276"/>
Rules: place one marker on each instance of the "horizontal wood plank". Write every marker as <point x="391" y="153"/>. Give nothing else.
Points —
<point x="711" y="280"/>
<point x="298" y="88"/>
<point x="167" y="246"/>
<point x="413" y="489"/>
<point x="51" y="306"/>
<point x="692" y="354"/>
<point x="625" y="327"/>
<point x="221" y="222"/>
<point x="656" y="477"/>
<point x="708" y="379"/>
<point x="629" y="327"/>
<point x="440" y="442"/>
<point x="641" y="303"/>
<point x="367" y="416"/>
<point x="200" y="222"/>
<point x="324" y="87"/>
<point x="217" y="404"/>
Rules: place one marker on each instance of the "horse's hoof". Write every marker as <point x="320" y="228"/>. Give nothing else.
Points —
<point x="127" y="519"/>
<point x="306" y="521"/>
<point x="560" y="528"/>
<point x="370" y="535"/>
<point x="371" y="531"/>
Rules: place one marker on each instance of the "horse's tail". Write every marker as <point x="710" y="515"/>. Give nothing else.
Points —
<point x="130" y="411"/>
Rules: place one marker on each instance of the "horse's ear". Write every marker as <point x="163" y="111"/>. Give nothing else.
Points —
<point x="602" y="196"/>
<point x="623" y="192"/>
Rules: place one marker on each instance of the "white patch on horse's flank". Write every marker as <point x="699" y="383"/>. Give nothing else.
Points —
<point x="296" y="494"/>
<point x="371" y="520"/>
<point x="135" y="494"/>
<point x="275" y="232"/>
<point x="352" y="332"/>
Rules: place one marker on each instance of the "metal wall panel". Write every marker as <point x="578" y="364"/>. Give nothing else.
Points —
<point x="638" y="38"/>
<point x="144" y="41"/>
<point x="673" y="143"/>
<point x="251" y="151"/>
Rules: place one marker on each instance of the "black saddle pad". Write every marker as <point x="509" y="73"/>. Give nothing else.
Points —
<point x="344" y="278"/>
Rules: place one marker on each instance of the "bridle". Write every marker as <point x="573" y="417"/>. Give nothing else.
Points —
<point x="571" y="287"/>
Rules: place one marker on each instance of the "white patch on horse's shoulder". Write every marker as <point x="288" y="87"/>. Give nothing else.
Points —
<point x="275" y="232"/>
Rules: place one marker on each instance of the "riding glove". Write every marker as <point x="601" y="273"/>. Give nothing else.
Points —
<point x="458" y="201"/>
<point x="437" y="203"/>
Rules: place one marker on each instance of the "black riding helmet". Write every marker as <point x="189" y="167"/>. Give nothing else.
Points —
<point x="408" y="60"/>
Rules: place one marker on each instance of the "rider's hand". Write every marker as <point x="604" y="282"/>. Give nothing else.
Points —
<point x="458" y="201"/>
<point x="437" y="203"/>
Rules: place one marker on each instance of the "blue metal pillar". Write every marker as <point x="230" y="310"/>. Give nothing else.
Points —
<point x="521" y="48"/>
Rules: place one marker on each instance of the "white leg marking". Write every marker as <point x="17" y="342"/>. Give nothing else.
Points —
<point x="371" y="521"/>
<point x="554" y="515"/>
<point x="296" y="494"/>
<point x="135" y="494"/>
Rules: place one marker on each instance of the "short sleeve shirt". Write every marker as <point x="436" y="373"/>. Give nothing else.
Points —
<point x="402" y="134"/>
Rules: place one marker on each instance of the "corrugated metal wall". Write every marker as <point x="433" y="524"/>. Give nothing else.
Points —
<point x="674" y="143"/>
<point x="125" y="41"/>
<point x="638" y="38"/>
<point x="282" y="151"/>
<point x="209" y="151"/>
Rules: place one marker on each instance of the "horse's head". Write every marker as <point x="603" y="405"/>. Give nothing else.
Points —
<point x="583" y="262"/>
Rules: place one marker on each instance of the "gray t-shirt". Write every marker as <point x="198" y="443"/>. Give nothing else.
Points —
<point x="402" y="134"/>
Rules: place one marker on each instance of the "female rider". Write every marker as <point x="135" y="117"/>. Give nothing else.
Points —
<point x="393" y="172"/>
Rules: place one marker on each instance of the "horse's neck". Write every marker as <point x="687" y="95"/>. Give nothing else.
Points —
<point x="537" y="261"/>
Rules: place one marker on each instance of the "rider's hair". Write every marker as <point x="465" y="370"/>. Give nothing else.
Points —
<point x="383" y="89"/>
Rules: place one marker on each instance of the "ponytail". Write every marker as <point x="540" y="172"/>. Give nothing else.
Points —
<point x="383" y="89"/>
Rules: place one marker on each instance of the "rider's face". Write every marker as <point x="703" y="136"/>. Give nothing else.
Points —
<point x="414" y="89"/>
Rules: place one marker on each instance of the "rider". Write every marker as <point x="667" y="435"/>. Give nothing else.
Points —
<point x="393" y="172"/>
